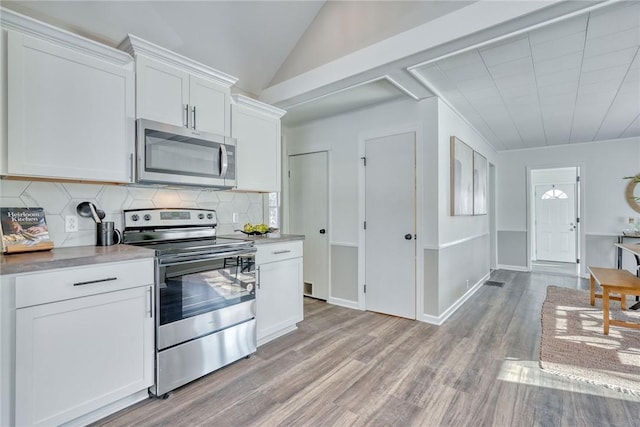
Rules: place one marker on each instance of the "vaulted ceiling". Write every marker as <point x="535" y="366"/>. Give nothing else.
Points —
<point x="523" y="73"/>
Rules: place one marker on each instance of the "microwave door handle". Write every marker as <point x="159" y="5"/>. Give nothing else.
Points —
<point x="224" y="160"/>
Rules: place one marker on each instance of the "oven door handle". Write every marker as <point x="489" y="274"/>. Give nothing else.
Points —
<point x="185" y="259"/>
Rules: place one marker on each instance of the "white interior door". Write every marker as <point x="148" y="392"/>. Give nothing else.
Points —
<point x="308" y="215"/>
<point x="555" y="222"/>
<point x="390" y="250"/>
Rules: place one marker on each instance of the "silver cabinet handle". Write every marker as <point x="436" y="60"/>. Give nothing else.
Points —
<point x="224" y="161"/>
<point x="131" y="177"/>
<point x="150" y="307"/>
<point x="258" y="277"/>
<point x="186" y="116"/>
<point x="91" y="282"/>
<point x="281" y="252"/>
<point x="193" y="112"/>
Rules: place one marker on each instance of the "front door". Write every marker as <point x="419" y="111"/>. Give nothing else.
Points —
<point x="555" y="210"/>
<point x="390" y="249"/>
<point x="309" y="216"/>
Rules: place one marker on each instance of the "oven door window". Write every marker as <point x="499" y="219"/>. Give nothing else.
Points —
<point x="166" y="153"/>
<point x="193" y="288"/>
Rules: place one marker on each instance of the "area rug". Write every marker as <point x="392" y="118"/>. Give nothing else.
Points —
<point x="573" y="344"/>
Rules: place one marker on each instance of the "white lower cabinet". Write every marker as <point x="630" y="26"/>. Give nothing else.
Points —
<point x="81" y="354"/>
<point x="279" y="305"/>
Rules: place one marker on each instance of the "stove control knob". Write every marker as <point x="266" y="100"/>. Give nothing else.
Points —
<point x="200" y="216"/>
<point x="147" y="217"/>
<point x="135" y="217"/>
<point x="209" y="216"/>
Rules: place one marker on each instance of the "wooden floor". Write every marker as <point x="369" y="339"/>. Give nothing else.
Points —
<point x="344" y="367"/>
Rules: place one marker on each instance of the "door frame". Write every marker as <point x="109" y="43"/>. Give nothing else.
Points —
<point x="580" y="211"/>
<point x="416" y="129"/>
<point x="296" y="151"/>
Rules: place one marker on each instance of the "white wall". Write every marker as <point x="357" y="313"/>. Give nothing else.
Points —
<point x="444" y="238"/>
<point x="604" y="208"/>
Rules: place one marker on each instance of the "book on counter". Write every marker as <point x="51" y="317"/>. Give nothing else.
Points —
<point x="24" y="230"/>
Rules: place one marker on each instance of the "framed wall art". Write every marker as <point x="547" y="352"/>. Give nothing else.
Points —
<point x="479" y="184"/>
<point x="461" y="178"/>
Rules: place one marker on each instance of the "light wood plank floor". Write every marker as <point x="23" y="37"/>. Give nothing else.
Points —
<point x="344" y="367"/>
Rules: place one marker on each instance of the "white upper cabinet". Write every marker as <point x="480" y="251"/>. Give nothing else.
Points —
<point x="177" y="90"/>
<point x="256" y="127"/>
<point x="70" y="105"/>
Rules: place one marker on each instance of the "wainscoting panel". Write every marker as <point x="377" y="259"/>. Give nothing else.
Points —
<point x="512" y="248"/>
<point x="344" y="275"/>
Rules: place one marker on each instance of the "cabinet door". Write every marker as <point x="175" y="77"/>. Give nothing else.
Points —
<point x="162" y="92"/>
<point x="75" y="356"/>
<point x="70" y="114"/>
<point x="212" y="105"/>
<point x="279" y="298"/>
<point x="258" y="150"/>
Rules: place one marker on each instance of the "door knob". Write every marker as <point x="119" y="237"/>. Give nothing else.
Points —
<point x="407" y="236"/>
<point x="322" y="231"/>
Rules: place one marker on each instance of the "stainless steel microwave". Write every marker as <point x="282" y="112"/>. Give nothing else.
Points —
<point x="174" y="155"/>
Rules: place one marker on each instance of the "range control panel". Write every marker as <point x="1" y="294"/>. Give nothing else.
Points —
<point x="178" y="217"/>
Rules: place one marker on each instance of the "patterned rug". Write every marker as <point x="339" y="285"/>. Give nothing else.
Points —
<point x="573" y="344"/>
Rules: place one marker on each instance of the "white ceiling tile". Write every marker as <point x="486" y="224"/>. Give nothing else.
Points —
<point x="559" y="29"/>
<point x="527" y="100"/>
<point x="469" y="58"/>
<point x="511" y="68"/>
<point x="602" y="89"/>
<point x="633" y="129"/>
<point x="558" y="47"/>
<point x="554" y="65"/>
<point x="517" y="92"/>
<point x="613" y="74"/>
<point x="485" y="93"/>
<point x="617" y="41"/>
<point x="623" y="112"/>
<point x="616" y="18"/>
<point x="560" y="77"/>
<point x="468" y="72"/>
<point x="473" y="85"/>
<point x="525" y="79"/>
<point x="619" y="57"/>
<point x="506" y="51"/>
<point x="559" y="89"/>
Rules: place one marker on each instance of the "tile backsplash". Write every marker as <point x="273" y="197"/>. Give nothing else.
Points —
<point x="61" y="199"/>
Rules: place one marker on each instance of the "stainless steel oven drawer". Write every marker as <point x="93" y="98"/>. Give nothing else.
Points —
<point x="189" y="361"/>
<point x="204" y="324"/>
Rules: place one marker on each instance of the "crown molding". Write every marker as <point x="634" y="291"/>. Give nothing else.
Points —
<point x="245" y="101"/>
<point x="136" y="46"/>
<point x="10" y="20"/>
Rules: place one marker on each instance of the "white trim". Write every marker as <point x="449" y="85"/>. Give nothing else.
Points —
<point x="344" y="244"/>
<point x="344" y="89"/>
<point x="431" y="247"/>
<point x="609" y="235"/>
<point x="276" y="334"/>
<point x="136" y="46"/>
<point x="500" y="230"/>
<point x="439" y="320"/>
<point x="344" y="303"/>
<point x="11" y="20"/>
<point x="465" y="240"/>
<point x="308" y="149"/>
<point x="261" y="107"/>
<point x="513" y="268"/>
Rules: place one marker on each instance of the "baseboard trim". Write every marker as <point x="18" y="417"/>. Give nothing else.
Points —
<point x="344" y="303"/>
<point x="513" y="268"/>
<point x="439" y="320"/>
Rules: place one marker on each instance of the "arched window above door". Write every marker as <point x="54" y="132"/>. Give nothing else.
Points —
<point x="554" y="193"/>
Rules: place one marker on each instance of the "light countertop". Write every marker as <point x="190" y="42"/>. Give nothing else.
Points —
<point x="29" y="262"/>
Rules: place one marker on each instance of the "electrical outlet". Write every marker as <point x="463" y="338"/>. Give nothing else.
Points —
<point x="235" y="217"/>
<point x="71" y="223"/>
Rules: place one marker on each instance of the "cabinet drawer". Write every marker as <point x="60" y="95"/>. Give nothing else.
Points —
<point x="67" y="283"/>
<point x="272" y="252"/>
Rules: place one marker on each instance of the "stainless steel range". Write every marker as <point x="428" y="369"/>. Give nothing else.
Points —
<point x="205" y="293"/>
